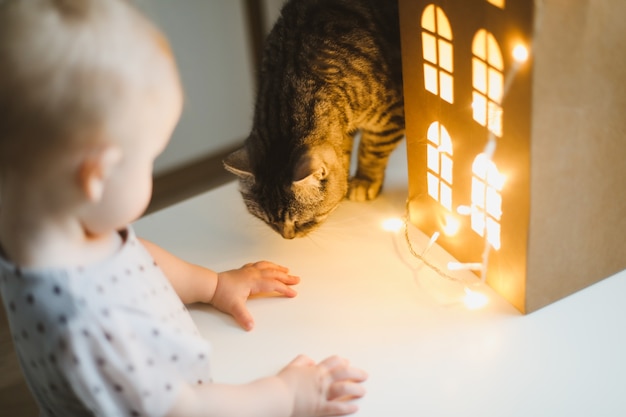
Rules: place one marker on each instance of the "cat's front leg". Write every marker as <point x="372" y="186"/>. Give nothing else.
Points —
<point x="374" y="151"/>
<point x="362" y="189"/>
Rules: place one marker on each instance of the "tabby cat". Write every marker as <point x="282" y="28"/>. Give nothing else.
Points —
<point x="330" y="68"/>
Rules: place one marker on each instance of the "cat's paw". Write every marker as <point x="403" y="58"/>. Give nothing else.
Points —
<point x="361" y="189"/>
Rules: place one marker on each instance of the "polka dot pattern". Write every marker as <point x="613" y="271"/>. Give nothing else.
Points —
<point x="111" y="339"/>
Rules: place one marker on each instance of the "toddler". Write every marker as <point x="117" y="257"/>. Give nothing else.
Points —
<point x="89" y="96"/>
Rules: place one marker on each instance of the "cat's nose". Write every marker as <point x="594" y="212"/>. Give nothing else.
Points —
<point x="288" y="230"/>
<point x="288" y="233"/>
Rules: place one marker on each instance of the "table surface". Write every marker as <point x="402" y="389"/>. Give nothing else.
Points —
<point x="363" y="296"/>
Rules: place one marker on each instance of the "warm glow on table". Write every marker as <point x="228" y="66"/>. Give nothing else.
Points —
<point x="364" y="296"/>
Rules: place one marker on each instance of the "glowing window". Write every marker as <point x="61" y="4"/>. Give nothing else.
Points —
<point x="486" y="210"/>
<point x="437" y="49"/>
<point x="488" y="82"/>
<point x="439" y="162"/>
<point x="498" y="3"/>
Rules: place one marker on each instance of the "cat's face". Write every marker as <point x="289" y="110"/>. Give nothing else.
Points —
<point x="292" y="199"/>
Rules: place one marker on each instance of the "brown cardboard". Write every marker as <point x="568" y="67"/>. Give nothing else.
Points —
<point x="562" y="147"/>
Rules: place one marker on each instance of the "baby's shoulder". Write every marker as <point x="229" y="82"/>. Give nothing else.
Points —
<point x="45" y="298"/>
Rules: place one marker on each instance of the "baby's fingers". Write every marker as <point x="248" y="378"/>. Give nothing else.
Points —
<point x="345" y="390"/>
<point x="339" y="408"/>
<point x="269" y="265"/>
<point x="274" y="280"/>
<point x="348" y="373"/>
<point x="267" y="286"/>
<point x="240" y="313"/>
<point x="288" y="280"/>
<point x="274" y="274"/>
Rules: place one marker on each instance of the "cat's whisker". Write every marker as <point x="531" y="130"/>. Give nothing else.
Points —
<point x="343" y="222"/>
<point x="313" y="238"/>
<point x="335" y="229"/>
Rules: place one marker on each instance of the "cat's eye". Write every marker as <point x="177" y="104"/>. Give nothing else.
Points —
<point x="306" y="225"/>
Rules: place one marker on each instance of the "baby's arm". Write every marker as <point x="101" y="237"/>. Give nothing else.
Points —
<point x="227" y="291"/>
<point x="302" y="389"/>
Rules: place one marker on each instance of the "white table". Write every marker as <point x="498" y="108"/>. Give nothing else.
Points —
<point x="364" y="297"/>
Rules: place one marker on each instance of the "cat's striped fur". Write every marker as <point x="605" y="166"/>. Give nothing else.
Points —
<point x="330" y="68"/>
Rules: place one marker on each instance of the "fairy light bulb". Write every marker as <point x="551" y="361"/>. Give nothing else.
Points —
<point x="451" y="225"/>
<point x="464" y="210"/>
<point x="431" y="242"/>
<point x="392" y="224"/>
<point x="520" y="53"/>
<point x="474" y="300"/>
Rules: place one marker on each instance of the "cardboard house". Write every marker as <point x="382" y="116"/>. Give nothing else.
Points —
<point x="516" y="135"/>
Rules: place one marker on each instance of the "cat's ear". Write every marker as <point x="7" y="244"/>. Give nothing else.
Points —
<point x="238" y="163"/>
<point x="310" y="171"/>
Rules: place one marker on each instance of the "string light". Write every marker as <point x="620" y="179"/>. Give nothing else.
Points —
<point x="422" y="256"/>
<point x="468" y="266"/>
<point x="472" y="299"/>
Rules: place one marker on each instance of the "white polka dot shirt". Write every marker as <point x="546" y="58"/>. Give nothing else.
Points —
<point x="111" y="339"/>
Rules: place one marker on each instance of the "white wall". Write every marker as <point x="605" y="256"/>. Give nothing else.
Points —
<point x="211" y="45"/>
<point x="272" y="11"/>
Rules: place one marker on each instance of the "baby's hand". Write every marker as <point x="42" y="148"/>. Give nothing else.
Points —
<point x="323" y="389"/>
<point x="235" y="286"/>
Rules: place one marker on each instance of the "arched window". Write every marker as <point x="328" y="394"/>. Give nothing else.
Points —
<point x="437" y="49"/>
<point x="487" y="184"/>
<point x="439" y="162"/>
<point x="498" y="3"/>
<point x="488" y="82"/>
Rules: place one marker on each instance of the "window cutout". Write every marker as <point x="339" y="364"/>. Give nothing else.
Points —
<point x="428" y="19"/>
<point x="443" y="25"/>
<point x="439" y="163"/>
<point x="446" y="168"/>
<point x="437" y="51"/>
<point x="487" y="183"/>
<point x="433" y="186"/>
<point x="494" y="118"/>
<point x="479" y="75"/>
<point x="445" y="55"/>
<point x="430" y="79"/>
<point x="445" y="195"/>
<point x="495" y="85"/>
<point x="488" y="82"/>
<point x="429" y="44"/>
<point x="498" y="3"/>
<point x="446" y="87"/>
<point x="479" y="107"/>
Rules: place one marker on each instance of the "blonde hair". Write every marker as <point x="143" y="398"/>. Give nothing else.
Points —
<point x="66" y="67"/>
